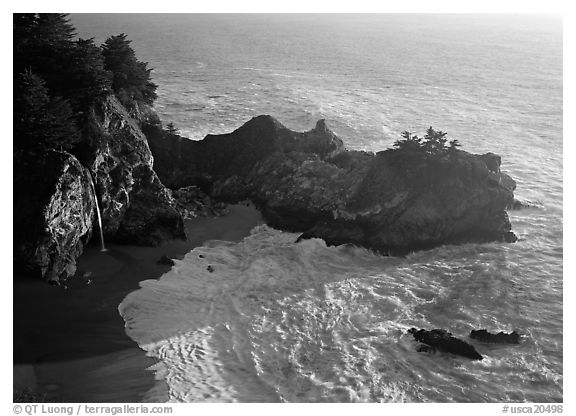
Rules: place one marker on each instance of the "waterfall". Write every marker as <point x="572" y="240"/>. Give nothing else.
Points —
<point x="99" y="216"/>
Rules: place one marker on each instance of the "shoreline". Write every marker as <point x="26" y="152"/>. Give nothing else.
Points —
<point x="70" y="344"/>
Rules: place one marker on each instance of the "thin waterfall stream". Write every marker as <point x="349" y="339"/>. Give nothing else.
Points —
<point x="99" y="216"/>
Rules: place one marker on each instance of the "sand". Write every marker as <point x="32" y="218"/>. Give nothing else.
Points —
<point x="70" y="344"/>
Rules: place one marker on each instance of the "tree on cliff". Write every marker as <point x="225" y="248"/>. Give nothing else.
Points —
<point x="434" y="144"/>
<point x="171" y="129"/>
<point x="44" y="44"/>
<point x="130" y="77"/>
<point x="87" y="76"/>
<point x="41" y="122"/>
<point x="410" y="143"/>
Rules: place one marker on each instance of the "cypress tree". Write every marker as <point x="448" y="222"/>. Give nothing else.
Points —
<point x="130" y="77"/>
<point x="41" y="122"/>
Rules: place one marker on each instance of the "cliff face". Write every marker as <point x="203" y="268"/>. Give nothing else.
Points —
<point x="136" y="207"/>
<point x="53" y="215"/>
<point x="180" y="162"/>
<point x="54" y="204"/>
<point x="307" y="182"/>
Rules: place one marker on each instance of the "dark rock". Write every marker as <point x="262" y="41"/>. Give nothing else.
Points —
<point x="483" y="335"/>
<point x="181" y="162"/>
<point x="518" y="204"/>
<point x="210" y="268"/>
<point x="425" y="348"/>
<point x="136" y="207"/>
<point x="55" y="203"/>
<point x="54" y="211"/>
<point x="151" y="217"/>
<point x="192" y="202"/>
<point x="308" y="183"/>
<point x="166" y="261"/>
<point x="439" y="339"/>
<point x="492" y="161"/>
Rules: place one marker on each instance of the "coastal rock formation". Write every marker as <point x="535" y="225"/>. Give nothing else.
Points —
<point x="165" y="260"/>
<point x="191" y="202"/>
<point x="151" y="217"/>
<point x="441" y="340"/>
<point x="483" y="335"/>
<point x="55" y="205"/>
<point x="520" y="204"/>
<point x="136" y="207"/>
<point x="180" y="162"/>
<point x="54" y="210"/>
<point x="392" y="201"/>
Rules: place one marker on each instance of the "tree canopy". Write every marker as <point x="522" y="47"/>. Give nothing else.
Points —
<point x="58" y="78"/>
<point x="130" y="77"/>
<point x="41" y="122"/>
<point x="433" y="144"/>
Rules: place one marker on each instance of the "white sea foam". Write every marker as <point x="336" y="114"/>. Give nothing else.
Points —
<point x="277" y="320"/>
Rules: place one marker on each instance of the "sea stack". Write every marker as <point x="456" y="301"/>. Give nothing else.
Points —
<point x="394" y="201"/>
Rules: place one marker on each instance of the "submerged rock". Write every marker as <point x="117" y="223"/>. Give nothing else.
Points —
<point x="165" y="260"/>
<point x="439" y="339"/>
<point x="391" y="201"/>
<point x="54" y="210"/>
<point x="483" y="335"/>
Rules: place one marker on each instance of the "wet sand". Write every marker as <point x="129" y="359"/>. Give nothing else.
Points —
<point x="70" y="344"/>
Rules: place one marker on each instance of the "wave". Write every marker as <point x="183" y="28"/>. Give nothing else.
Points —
<point x="273" y="320"/>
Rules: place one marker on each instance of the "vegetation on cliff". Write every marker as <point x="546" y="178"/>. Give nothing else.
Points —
<point x="58" y="79"/>
<point x="130" y="77"/>
<point x="434" y="144"/>
<point x="78" y="109"/>
<point x="420" y="194"/>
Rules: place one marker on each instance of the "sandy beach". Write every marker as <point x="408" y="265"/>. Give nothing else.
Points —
<point x="69" y="342"/>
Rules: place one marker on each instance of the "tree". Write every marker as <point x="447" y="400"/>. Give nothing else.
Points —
<point x="88" y="79"/>
<point x="43" y="42"/>
<point x="130" y="77"/>
<point x="432" y="145"/>
<point x="454" y="144"/>
<point x="435" y="141"/>
<point x="40" y="122"/>
<point x="410" y="143"/>
<point x="171" y="129"/>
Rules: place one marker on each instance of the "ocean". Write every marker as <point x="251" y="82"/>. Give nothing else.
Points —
<point x="280" y="321"/>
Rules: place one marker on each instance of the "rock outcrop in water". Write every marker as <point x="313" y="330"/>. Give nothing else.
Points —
<point x="483" y="335"/>
<point x="441" y="340"/>
<point x="521" y="204"/>
<point x="390" y="201"/>
<point x="55" y="206"/>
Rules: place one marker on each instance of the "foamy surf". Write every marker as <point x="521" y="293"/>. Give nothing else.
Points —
<point x="268" y="320"/>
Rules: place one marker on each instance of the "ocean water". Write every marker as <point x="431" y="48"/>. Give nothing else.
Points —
<point x="279" y="321"/>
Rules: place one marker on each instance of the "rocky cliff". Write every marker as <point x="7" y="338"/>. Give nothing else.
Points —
<point x="53" y="214"/>
<point x="391" y="201"/>
<point x="181" y="162"/>
<point x="136" y="207"/>
<point x="54" y="204"/>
